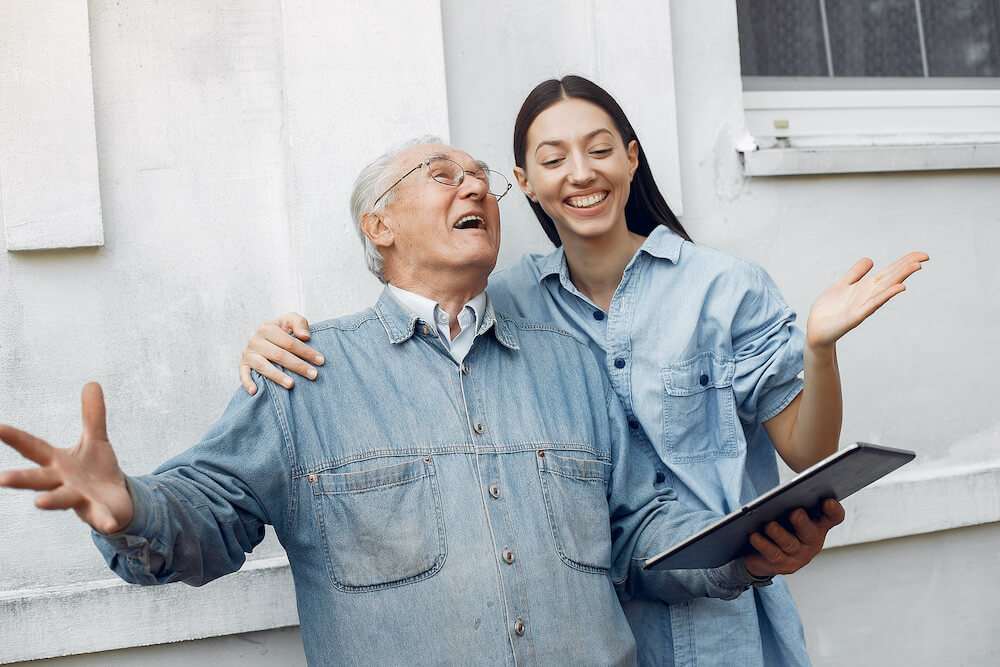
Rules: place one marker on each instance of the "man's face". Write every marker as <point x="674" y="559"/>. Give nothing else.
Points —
<point x="439" y="229"/>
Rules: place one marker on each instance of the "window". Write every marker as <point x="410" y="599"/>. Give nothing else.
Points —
<point x="867" y="73"/>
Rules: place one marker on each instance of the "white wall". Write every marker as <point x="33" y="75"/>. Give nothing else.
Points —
<point x="228" y="135"/>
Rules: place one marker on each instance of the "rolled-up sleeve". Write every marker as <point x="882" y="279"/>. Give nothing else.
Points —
<point x="199" y="513"/>
<point x="767" y="350"/>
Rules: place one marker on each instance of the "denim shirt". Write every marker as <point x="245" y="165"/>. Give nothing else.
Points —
<point x="699" y="347"/>
<point x="433" y="513"/>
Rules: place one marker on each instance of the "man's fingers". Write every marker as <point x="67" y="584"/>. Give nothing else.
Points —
<point x="62" y="498"/>
<point x="36" y="479"/>
<point x="27" y="445"/>
<point x="94" y="421"/>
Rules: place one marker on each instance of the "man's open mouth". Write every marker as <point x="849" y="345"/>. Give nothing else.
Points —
<point x="588" y="201"/>
<point x="471" y="222"/>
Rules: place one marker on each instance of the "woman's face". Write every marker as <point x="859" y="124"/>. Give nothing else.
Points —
<point x="578" y="169"/>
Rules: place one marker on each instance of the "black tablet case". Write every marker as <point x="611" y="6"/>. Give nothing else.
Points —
<point x="837" y="476"/>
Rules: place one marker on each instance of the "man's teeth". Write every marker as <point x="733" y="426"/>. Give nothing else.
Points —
<point x="470" y="221"/>
<point x="587" y="202"/>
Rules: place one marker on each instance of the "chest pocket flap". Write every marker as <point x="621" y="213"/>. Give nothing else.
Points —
<point x="699" y="408"/>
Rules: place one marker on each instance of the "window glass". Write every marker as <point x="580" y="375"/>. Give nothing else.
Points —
<point x="869" y="38"/>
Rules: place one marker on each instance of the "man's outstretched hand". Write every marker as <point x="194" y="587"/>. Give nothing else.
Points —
<point x="85" y="478"/>
<point x="785" y="552"/>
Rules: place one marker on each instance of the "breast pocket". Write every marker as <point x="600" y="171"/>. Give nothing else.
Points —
<point x="699" y="409"/>
<point x="576" y="501"/>
<point x="382" y="526"/>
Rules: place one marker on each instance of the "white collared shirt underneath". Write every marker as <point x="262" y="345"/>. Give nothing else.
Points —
<point x="431" y="313"/>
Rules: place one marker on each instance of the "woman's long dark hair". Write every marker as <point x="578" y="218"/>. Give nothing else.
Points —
<point x="646" y="208"/>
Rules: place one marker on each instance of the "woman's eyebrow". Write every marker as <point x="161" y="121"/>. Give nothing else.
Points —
<point x="560" y="142"/>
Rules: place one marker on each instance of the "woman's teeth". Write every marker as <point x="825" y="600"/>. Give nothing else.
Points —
<point x="587" y="202"/>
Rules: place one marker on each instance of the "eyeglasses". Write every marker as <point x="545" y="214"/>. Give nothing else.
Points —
<point x="449" y="172"/>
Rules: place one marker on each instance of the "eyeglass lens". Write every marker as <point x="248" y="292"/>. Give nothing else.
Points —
<point x="451" y="173"/>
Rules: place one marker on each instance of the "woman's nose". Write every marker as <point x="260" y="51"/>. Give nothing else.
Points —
<point x="581" y="171"/>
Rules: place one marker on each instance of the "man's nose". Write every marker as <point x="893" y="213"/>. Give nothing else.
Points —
<point x="472" y="186"/>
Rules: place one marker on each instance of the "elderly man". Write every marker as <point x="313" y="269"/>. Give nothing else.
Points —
<point x="461" y="490"/>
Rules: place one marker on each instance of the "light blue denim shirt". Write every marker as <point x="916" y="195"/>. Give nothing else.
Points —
<point x="433" y="513"/>
<point x="699" y="347"/>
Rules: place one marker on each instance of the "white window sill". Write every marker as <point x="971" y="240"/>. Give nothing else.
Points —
<point x="869" y="159"/>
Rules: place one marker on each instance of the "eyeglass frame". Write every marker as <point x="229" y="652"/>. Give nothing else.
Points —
<point x="461" y="178"/>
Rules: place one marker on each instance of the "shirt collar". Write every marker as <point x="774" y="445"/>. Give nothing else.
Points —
<point x="400" y="319"/>
<point x="661" y="242"/>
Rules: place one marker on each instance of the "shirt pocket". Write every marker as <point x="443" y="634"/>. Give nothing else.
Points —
<point x="699" y="409"/>
<point x="576" y="501"/>
<point x="381" y="527"/>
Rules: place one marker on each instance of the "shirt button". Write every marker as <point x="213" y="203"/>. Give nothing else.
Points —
<point x="660" y="477"/>
<point x="519" y="627"/>
<point x="619" y="363"/>
<point x="465" y="369"/>
<point x="598" y="315"/>
<point x="425" y="329"/>
<point x="703" y="380"/>
<point x="478" y="426"/>
<point x="312" y="478"/>
<point x="494" y="491"/>
<point x="508" y="556"/>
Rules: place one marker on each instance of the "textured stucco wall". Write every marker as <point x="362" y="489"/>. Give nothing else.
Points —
<point x="228" y="136"/>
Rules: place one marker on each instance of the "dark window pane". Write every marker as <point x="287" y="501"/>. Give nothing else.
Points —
<point x="962" y="37"/>
<point x="781" y="38"/>
<point x="874" y="38"/>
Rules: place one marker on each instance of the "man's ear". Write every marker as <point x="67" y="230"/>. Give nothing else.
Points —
<point x="522" y="182"/>
<point x="375" y="228"/>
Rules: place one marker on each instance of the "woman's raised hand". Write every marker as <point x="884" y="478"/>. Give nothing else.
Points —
<point x="848" y="302"/>
<point x="273" y="342"/>
<point x="85" y="478"/>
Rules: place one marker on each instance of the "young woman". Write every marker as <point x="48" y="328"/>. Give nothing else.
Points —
<point x="697" y="343"/>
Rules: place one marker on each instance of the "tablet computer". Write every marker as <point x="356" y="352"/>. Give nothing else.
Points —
<point x="837" y="476"/>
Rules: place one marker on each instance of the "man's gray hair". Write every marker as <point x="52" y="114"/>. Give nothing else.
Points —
<point x="371" y="182"/>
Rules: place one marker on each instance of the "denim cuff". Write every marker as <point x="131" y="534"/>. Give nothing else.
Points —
<point x="734" y="574"/>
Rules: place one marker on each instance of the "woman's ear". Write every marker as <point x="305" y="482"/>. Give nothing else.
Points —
<point x="632" y="153"/>
<point x="378" y="232"/>
<point x="522" y="182"/>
